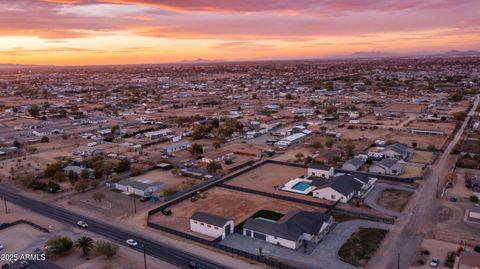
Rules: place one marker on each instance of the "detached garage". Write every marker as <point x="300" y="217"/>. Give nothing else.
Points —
<point x="211" y="225"/>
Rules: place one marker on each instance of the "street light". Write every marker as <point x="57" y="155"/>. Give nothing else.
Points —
<point x="144" y="255"/>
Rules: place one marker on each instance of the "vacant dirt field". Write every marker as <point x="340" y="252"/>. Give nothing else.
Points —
<point x="395" y="200"/>
<point x="412" y="171"/>
<point x="405" y="108"/>
<point x="425" y="157"/>
<point x="164" y="176"/>
<point x="372" y="119"/>
<point x="448" y="127"/>
<point x="423" y="141"/>
<point x="265" y="177"/>
<point x="228" y="204"/>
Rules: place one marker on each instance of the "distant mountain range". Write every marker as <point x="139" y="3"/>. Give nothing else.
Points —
<point x="200" y="60"/>
<point x="355" y="55"/>
<point x="379" y="54"/>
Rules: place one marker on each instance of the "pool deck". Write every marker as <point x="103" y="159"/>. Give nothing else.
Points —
<point x="289" y="186"/>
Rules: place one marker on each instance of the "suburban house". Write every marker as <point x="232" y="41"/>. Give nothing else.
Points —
<point x="77" y="170"/>
<point x="47" y="131"/>
<point x="396" y="151"/>
<point x="176" y="147"/>
<point x="7" y="151"/>
<point x="386" y="167"/>
<point x="211" y="225"/>
<point x="320" y="170"/>
<point x="159" y="133"/>
<point x="352" y="164"/>
<point x="342" y="188"/>
<point x="217" y="156"/>
<point x="86" y="151"/>
<point x="328" y="156"/>
<point x="144" y="189"/>
<point x="467" y="260"/>
<point x="290" y="231"/>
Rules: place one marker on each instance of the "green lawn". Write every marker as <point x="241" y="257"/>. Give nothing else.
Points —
<point x="361" y="245"/>
<point x="266" y="214"/>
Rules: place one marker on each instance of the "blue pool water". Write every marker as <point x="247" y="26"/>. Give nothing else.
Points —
<point x="301" y="186"/>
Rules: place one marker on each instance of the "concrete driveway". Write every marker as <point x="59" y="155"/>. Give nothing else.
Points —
<point x="321" y="256"/>
<point x="372" y="197"/>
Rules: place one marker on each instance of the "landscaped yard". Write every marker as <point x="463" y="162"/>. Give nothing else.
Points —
<point x="361" y="245"/>
<point x="266" y="214"/>
<point x="393" y="199"/>
<point x="422" y="157"/>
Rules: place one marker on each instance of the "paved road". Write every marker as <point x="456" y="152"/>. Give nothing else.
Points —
<point x="422" y="215"/>
<point x="372" y="197"/>
<point x="155" y="249"/>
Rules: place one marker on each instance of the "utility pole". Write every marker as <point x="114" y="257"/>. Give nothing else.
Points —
<point x="134" y="205"/>
<point x="5" y="203"/>
<point x="398" y="260"/>
<point x="144" y="255"/>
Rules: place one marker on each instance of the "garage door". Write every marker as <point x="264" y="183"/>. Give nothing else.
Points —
<point x="228" y="229"/>
<point x="260" y="236"/>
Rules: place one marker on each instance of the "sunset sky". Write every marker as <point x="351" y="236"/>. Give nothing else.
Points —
<point x="79" y="32"/>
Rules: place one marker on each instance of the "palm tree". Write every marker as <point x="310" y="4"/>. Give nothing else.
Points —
<point x="85" y="244"/>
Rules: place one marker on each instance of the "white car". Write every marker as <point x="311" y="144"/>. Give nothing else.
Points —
<point x="132" y="242"/>
<point x="1" y="247"/>
<point x="435" y="262"/>
<point x="82" y="224"/>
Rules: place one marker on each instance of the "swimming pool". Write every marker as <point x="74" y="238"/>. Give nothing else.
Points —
<point x="301" y="186"/>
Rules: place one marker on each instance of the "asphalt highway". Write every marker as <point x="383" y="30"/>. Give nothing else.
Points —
<point x="153" y="248"/>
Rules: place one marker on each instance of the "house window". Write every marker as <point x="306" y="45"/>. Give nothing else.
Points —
<point x="333" y="196"/>
<point x="209" y="226"/>
<point x="216" y="228"/>
<point x="202" y="224"/>
<point x="195" y="221"/>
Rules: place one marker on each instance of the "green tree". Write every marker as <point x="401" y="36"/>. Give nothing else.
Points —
<point x="58" y="245"/>
<point x="214" y="166"/>
<point x="460" y="116"/>
<point x="59" y="176"/>
<point x="349" y="148"/>
<point x="33" y="111"/>
<point x="473" y="199"/>
<point x="98" y="196"/>
<point x="456" y="96"/>
<point x="52" y="187"/>
<point x="52" y="168"/>
<point x="329" y="143"/>
<point x="85" y="244"/>
<point x="196" y="149"/>
<point x="45" y="139"/>
<point x="105" y="248"/>
<point x="123" y="166"/>
<point x="81" y="185"/>
<point x="17" y="144"/>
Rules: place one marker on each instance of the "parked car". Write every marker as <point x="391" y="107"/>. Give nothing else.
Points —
<point x="23" y="264"/>
<point x="453" y="199"/>
<point x="132" y="242"/>
<point x="1" y="247"/>
<point x="435" y="262"/>
<point x="82" y="224"/>
<point x="144" y="199"/>
<point x="196" y="265"/>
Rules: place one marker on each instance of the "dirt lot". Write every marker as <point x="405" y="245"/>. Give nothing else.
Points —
<point x="372" y="119"/>
<point x="423" y="141"/>
<point x="121" y="205"/>
<point x="405" y="108"/>
<point x="412" y="171"/>
<point x="171" y="181"/>
<point x="395" y="200"/>
<point x="236" y="205"/>
<point x="425" y="157"/>
<point x="437" y="249"/>
<point x="448" y="127"/>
